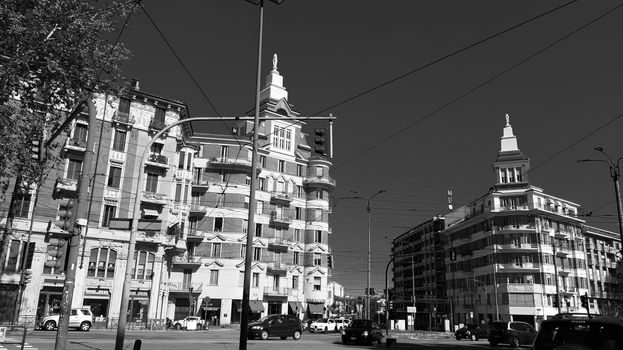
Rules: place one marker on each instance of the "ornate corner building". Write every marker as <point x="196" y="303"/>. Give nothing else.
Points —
<point x="194" y="201"/>
<point x="516" y="252"/>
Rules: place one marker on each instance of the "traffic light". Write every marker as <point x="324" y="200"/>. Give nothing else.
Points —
<point x="57" y="248"/>
<point x="65" y="215"/>
<point x="35" y="149"/>
<point x="584" y="301"/>
<point x="27" y="277"/>
<point x="555" y="300"/>
<point x="391" y="304"/>
<point x="319" y="142"/>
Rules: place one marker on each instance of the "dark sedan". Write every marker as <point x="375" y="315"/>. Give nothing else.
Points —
<point x="472" y="331"/>
<point x="362" y="331"/>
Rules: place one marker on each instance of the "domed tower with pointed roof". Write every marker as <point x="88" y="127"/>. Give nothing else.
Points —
<point x="511" y="165"/>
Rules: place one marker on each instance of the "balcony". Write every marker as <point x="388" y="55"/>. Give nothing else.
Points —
<point x="280" y="197"/>
<point x="149" y="237"/>
<point x="174" y="244"/>
<point x="153" y="197"/>
<point x="230" y="163"/>
<point x="319" y="181"/>
<point x="122" y="118"/>
<point x="187" y="261"/>
<point x="276" y="268"/>
<point x="65" y="188"/>
<point x="76" y="145"/>
<point x="560" y="234"/>
<point x="185" y="287"/>
<point x="278" y="245"/>
<point x="277" y="292"/>
<point x="279" y="219"/>
<point x="158" y="160"/>
<point x="200" y="183"/>
<point x="197" y="209"/>
<point x="157" y="125"/>
<point x="195" y="236"/>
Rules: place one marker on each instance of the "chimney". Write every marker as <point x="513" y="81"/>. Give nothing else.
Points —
<point x="134" y="84"/>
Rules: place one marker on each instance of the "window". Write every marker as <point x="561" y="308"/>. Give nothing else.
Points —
<point x="178" y="192"/>
<point x="255" y="280"/>
<point x="299" y="170"/>
<point x="519" y="175"/>
<point x="151" y="184"/>
<point x="73" y="170"/>
<point x="180" y="164"/>
<point x="263" y="161"/>
<point x="298" y="235"/>
<point x="143" y="265"/>
<point x="189" y="161"/>
<point x="319" y="194"/>
<point x="185" y="194"/>
<point x="257" y="253"/>
<point x="17" y="254"/>
<point x="114" y="177"/>
<point x="159" y="115"/>
<point x="80" y="134"/>
<point x="259" y="206"/>
<point x="282" y="166"/>
<point x="224" y="152"/>
<point x="193" y="223"/>
<point x="214" y="277"/>
<point x="296" y="258"/>
<point x="295" y="282"/>
<point x="245" y="225"/>
<point x="317" y="283"/>
<point x="317" y="259"/>
<point x="124" y="106"/>
<point x="119" y="140"/>
<point x="156" y="148"/>
<point x="247" y="181"/>
<point x="298" y="213"/>
<point x="282" y="138"/>
<point x="243" y="251"/>
<point x="246" y="202"/>
<point x="218" y="224"/>
<point x="102" y="263"/>
<point x="318" y="236"/>
<point x="21" y="204"/>
<point x="241" y="279"/>
<point x="503" y="176"/>
<point x="261" y="183"/>
<point x="109" y="212"/>
<point x="299" y="191"/>
<point x="258" y="230"/>
<point x="216" y="250"/>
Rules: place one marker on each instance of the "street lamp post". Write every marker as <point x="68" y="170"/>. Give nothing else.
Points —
<point x="368" y="207"/>
<point x="615" y="174"/>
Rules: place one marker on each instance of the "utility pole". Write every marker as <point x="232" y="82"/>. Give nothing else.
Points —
<point x="80" y="221"/>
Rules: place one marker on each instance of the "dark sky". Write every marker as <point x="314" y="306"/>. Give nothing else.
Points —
<point x="393" y="138"/>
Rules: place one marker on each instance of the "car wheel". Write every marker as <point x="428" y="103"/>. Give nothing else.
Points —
<point x="297" y="335"/>
<point x="474" y="337"/>
<point x="344" y="341"/>
<point x="458" y="338"/>
<point x="85" y="326"/>
<point x="493" y="343"/>
<point x="178" y="326"/>
<point x="325" y="330"/>
<point x="283" y="338"/>
<point x="50" y="325"/>
<point x="264" y="335"/>
<point x="514" y="342"/>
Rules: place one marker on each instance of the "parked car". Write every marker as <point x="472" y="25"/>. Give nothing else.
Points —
<point x="472" y="331"/>
<point x="188" y="321"/>
<point x="81" y="319"/>
<point x="514" y="333"/>
<point x="570" y="315"/>
<point x="281" y="326"/>
<point x="341" y="323"/>
<point x="602" y="333"/>
<point x="323" y="325"/>
<point x="362" y="331"/>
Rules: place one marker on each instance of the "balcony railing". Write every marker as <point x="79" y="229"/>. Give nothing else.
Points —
<point x="157" y="124"/>
<point x="194" y="235"/>
<point x="185" y="287"/>
<point x="122" y="118"/>
<point x="158" y="160"/>
<point x="153" y="197"/>
<point x="77" y="143"/>
<point x="278" y="245"/>
<point x="201" y="181"/>
<point x="319" y="181"/>
<point x="280" y="291"/>
<point x="197" y="209"/>
<point x="229" y="163"/>
<point x="187" y="261"/>
<point x="277" y="268"/>
<point x="279" y="219"/>
<point x="65" y="188"/>
<point x="281" y="197"/>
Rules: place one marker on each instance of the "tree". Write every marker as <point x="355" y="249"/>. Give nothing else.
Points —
<point x="53" y="53"/>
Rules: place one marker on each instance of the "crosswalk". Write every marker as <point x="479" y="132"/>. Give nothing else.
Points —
<point x="17" y="346"/>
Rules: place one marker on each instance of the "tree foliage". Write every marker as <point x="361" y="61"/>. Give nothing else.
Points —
<point x="51" y="53"/>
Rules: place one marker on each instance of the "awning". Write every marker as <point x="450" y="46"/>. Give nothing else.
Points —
<point x="150" y="212"/>
<point x="256" y="306"/>
<point x="295" y="306"/>
<point x="315" y="309"/>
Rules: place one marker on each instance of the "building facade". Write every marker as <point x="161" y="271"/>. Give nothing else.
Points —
<point x="194" y="201"/>
<point x="516" y="253"/>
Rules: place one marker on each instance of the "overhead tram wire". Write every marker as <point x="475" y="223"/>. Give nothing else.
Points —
<point x="477" y="87"/>
<point x="438" y="60"/>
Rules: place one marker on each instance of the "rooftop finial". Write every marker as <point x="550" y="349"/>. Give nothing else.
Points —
<point x="508" y="118"/>
<point x="275" y="62"/>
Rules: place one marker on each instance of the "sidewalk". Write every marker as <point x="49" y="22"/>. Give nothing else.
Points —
<point x="417" y="334"/>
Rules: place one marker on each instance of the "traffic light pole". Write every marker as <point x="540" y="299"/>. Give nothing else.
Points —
<point x="75" y="230"/>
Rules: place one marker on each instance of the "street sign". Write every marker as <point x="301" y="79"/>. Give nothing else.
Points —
<point x="411" y="309"/>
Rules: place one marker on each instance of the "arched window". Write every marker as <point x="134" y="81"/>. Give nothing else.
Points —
<point x="102" y="263"/>
<point x="143" y="265"/>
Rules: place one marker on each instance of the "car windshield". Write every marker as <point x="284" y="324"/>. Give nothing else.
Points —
<point x="361" y="323"/>
<point x="321" y="320"/>
<point x="263" y="319"/>
<point x="591" y="336"/>
<point x="499" y="325"/>
<point x="86" y="312"/>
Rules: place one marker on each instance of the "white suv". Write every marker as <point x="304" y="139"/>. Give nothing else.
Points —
<point x="323" y="325"/>
<point x="341" y="323"/>
<point x="81" y="319"/>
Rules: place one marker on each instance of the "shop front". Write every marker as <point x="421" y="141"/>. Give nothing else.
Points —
<point x="49" y="301"/>
<point x="98" y="301"/>
<point x="138" y="308"/>
<point x="8" y="301"/>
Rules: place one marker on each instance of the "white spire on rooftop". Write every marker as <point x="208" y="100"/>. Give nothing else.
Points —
<point x="508" y="142"/>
